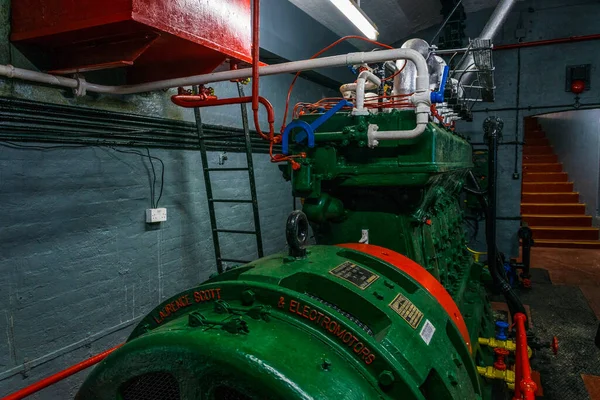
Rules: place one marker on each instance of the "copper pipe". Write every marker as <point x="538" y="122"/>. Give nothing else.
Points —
<point x="191" y="101"/>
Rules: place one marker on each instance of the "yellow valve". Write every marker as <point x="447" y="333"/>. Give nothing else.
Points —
<point x="476" y="254"/>
<point x="509" y="345"/>
<point x="245" y="81"/>
<point x="507" y="376"/>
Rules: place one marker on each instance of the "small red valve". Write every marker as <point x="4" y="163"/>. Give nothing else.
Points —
<point x="295" y="165"/>
<point x="554" y="345"/>
<point x="428" y="222"/>
<point x="500" y="355"/>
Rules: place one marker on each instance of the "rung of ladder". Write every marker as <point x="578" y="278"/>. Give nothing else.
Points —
<point x="235" y="261"/>
<point x="229" y="201"/>
<point x="226" y="169"/>
<point x="235" y="231"/>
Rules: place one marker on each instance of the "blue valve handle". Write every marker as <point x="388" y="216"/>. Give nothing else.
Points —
<point x="308" y="130"/>
<point x="438" y="97"/>
<point x="502" y="330"/>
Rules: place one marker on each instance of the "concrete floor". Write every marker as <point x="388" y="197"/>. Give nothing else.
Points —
<point x="565" y="302"/>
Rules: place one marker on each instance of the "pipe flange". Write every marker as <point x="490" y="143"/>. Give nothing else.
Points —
<point x="11" y="71"/>
<point x="80" y="90"/>
<point x="357" y="112"/>
<point x="372" y="129"/>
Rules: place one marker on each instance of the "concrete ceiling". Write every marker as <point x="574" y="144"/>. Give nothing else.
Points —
<point x="395" y="19"/>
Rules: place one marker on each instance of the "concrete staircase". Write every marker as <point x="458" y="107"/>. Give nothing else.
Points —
<point x="549" y="205"/>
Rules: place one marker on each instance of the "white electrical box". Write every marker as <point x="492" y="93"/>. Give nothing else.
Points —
<point x="156" y="215"/>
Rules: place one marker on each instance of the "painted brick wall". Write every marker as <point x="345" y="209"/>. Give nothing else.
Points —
<point x="79" y="265"/>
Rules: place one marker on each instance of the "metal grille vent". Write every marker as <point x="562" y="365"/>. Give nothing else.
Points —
<point x="151" y="386"/>
<point x="351" y="317"/>
<point x="229" y="393"/>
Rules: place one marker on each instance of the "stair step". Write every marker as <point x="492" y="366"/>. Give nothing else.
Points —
<point x="568" y="244"/>
<point x="547" y="187"/>
<point x="545" y="177"/>
<point x="542" y="159"/>
<point x="552" y="209"/>
<point x="557" y="220"/>
<point x="542" y="141"/>
<point x="530" y="121"/>
<point x="542" y="167"/>
<point x="537" y="150"/>
<point x="565" y="233"/>
<point x="534" y="133"/>
<point x="566" y="197"/>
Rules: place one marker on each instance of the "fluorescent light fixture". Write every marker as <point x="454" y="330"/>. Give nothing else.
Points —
<point x="357" y="17"/>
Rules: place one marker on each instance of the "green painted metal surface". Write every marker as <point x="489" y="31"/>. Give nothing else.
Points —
<point x="408" y="196"/>
<point x="286" y="328"/>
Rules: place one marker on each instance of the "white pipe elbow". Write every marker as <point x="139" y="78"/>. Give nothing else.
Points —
<point x="364" y="78"/>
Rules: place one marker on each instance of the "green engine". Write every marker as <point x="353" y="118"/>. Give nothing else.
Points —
<point x="388" y="305"/>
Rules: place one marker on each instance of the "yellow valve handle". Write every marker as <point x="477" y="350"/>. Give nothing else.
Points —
<point x="476" y="254"/>
<point x="507" y="376"/>
<point x="509" y="345"/>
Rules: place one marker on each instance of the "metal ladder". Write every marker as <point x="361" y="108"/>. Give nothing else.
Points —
<point x="209" y="192"/>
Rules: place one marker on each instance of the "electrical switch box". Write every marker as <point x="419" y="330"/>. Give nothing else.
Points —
<point x="156" y="215"/>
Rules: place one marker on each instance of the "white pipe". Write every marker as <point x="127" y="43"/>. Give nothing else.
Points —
<point x="374" y="135"/>
<point x="360" y="109"/>
<point x="294" y="66"/>
<point x="348" y="88"/>
<point x="23" y="74"/>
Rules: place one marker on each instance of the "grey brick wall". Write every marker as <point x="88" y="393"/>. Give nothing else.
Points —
<point x="78" y="259"/>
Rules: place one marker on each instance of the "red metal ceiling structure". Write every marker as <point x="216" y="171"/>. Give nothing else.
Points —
<point x="156" y="39"/>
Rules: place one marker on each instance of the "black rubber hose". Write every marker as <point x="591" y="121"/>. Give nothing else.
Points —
<point x="515" y="304"/>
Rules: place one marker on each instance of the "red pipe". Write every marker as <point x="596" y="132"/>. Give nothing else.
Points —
<point x="255" y="61"/>
<point x="191" y="101"/>
<point x="525" y="387"/>
<point x="51" y="380"/>
<point x="570" y="39"/>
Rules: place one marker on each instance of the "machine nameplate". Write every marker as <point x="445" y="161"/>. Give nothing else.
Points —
<point x="407" y="310"/>
<point x="358" y="276"/>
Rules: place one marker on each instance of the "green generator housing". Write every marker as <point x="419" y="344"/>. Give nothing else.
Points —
<point x="395" y="317"/>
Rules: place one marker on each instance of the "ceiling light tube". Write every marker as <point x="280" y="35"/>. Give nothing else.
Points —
<point x="356" y="15"/>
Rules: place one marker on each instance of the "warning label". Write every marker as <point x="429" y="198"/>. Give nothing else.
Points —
<point x="427" y="332"/>
<point x="358" y="276"/>
<point x="407" y="310"/>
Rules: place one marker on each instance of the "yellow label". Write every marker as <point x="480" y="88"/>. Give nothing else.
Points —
<point x="407" y="310"/>
<point x="358" y="276"/>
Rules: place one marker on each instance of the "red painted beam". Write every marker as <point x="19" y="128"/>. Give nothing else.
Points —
<point x="59" y="376"/>
<point x="570" y="39"/>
